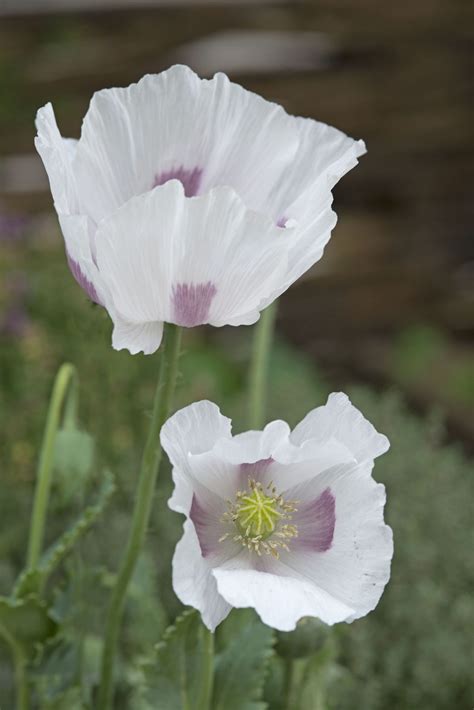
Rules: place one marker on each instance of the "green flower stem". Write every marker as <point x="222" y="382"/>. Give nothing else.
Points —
<point x="65" y="384"/>
<point x="20" y="663"/>
<point x="259" y="366"/>
<point x="206" y="698"/>
<point x="289" y="682"/>
<point x="141" y="513"/>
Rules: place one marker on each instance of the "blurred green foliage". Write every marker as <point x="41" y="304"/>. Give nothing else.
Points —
<point x="423" y="357"/>
<point x="413" y="651"/>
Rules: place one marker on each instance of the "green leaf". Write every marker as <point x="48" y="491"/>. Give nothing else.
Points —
<point x="73" y="459"/>
<point x="242" y="664"/>
<point x="309" y="637"/>
<point x="176" y="679"/>
<point x="27" y="621"/>
<point x="62" y="547"/>
<point x="28" y="583"/>
<point x="69" y="700"/>
<point x="56" y="670"/>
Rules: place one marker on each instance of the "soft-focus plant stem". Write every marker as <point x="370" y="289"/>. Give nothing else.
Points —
<point x="288" y="681"/>
<point x="65" y="385"/>
<point x="21" y="680"/>
<point x="141" y="513"/>
<point x="208" y="681"/>
<point x="258" y="383"/>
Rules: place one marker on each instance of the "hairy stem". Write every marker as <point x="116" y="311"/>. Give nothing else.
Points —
<point x="206" y="698"/>
<point x="262" y="344"/>
<point x="141" y="513"/>
<point x="20" y="663"/>
<point x="64" y="396"/>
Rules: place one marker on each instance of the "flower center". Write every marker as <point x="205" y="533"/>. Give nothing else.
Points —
<point x="258" y="517"/>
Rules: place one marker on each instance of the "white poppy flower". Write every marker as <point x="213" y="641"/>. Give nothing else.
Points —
<point x="287" y="522"/>
<point x="190" y="201"/>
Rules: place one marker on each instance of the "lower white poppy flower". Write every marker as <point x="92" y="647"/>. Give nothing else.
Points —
<point x="190" y="201"/>
<point x="289" y="523"/>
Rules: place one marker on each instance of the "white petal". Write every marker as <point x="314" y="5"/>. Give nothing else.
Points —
<point x="201" y="260"/>
<point x="356" y="567"/>
<point x="303" y="196"/>
<point x="78" y="232"/>
<point x="306" y="243"/>
<point x="279" y="601"/>
<point x="254" y="446"/>
<point x="193" y="582"/>
<point x="57" y="154"/>
<point x="193" y="430"/>
<point x="292" y="465"/>
<point x="340" y="420"/>
<point x="324" y="155"/>
<point x="142" y="337"/>
<point x="341" y="583"/>
<point x="216" y="474"/>
<point x="188" y="438"/>
<point x="174" y="121"/>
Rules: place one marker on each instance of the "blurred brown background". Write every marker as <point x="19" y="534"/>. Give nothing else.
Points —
<point x="393" y="298"/>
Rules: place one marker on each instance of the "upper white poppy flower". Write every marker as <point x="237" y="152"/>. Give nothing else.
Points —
<point x="190" y="201"/>
<point x="290" y="523"/>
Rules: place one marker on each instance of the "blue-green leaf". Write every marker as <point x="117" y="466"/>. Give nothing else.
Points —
<point x="242" y="664"/>
<point x="62" y="547"/>
<point x="176" y="679"/>
<point x="26" y="621"/>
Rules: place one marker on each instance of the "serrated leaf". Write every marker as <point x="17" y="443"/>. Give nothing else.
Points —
<point x="62" y="547"/>
<point x="27" y="621"/>
<point x="241" y="666"/>
<point x="56" y="670"/>
<point x="176" y="678"/>
<point x="73" y="459"/>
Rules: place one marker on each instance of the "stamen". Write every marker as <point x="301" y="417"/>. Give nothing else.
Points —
<point x="257" y="518"/>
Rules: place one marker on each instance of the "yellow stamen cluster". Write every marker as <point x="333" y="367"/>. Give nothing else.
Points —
<point x="258" y="517"/>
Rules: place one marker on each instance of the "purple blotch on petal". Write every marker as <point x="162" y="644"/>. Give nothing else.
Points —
<point x="189" y="178"/>
<point x="255" y="470"/>
<point x="201" y="521"/>
<point x="282" y="222"/>
<point x="82" y="280"/>
<point x="191" y="303"/>
<point x="316" y="521"/>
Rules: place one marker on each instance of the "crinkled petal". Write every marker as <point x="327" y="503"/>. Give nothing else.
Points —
<point x="193" y="430"/>
<point x="280" y="601"/>
<point x="78" y="232"/>
<point x="340" y="420"/>
<point x="340" y="577"/>
<point x="217" y="475"/>
<point x="324" y="155"/>
<point x="141" y="337"/>
<point x="304" y="196"/>
<point x="291" y="465"/>
<point x="355" y="565"/>
<point x="57" y="154"/>
<point x="186" y="435"/>
<point x="193" y="582"/>
<point x="175" y="124"/>
<point x="191" y="261"/>
<point x="306" y="243"/>
<point x="254" y="446"/>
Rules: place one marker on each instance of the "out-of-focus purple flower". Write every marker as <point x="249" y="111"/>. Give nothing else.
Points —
<point x="14" y="320"/>
<point x="12" y="227"/>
